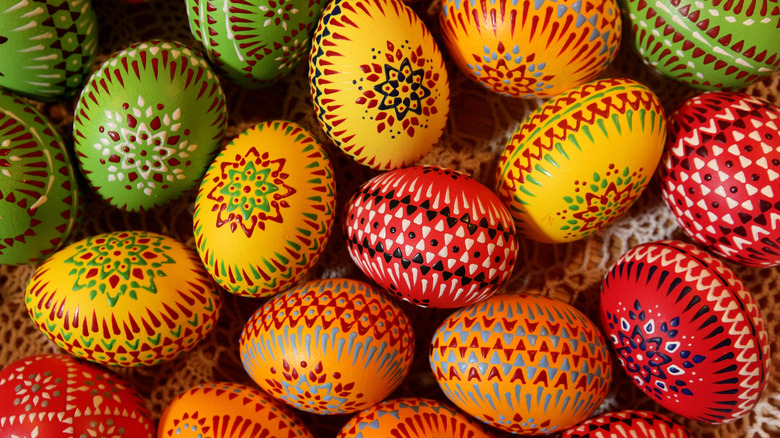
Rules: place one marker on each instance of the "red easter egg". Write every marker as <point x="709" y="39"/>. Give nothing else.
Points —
<point x="431" y="236"/>
<point x="628" y="424"/>
<point x="59" y="396"/>
<point x="720" y="175"/>
<point x="686" y="331"/>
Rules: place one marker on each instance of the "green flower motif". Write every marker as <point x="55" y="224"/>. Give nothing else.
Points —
<point x="249" y="190"/>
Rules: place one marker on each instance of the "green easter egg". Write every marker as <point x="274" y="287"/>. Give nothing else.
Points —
<point x="52" y="43"/>
<point x="148" y="123"/>
<point x="39" y="199"/>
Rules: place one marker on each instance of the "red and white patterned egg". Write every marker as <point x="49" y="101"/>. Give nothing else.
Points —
<point x="686" y="330"/>
<point x="59" y="396"/>
<point x="629" y="423"/>
<point x="432" y="236"/>
<point x="720" y="175"/>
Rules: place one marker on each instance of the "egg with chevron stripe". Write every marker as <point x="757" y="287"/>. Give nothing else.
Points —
<point x="686" y="331"/>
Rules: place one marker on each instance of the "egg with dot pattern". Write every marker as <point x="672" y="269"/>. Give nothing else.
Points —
<point x="628" y="424"/>
<point x="531" y="49"/>
<point x="59" y="396"/>
<point x="223" y="409"/>
<point x="579" y="161"/>
<point x="328" y="346"/>
<point x="432" y="236"/>
<point x="525" y="364"/>
<point x="719" y="175"/>
<point x="686" y="331"/>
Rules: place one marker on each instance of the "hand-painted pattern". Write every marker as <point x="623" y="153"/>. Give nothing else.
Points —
<point x="229" y="410"/>
<point x="328" y="346"/>
<point x="378" y="80"/>
<point x="254" y="43"/>
<point x="686" y="331"/>
<point x="264" y="209"/>
<point x="710" y="45"/>
<point x="525" y="364"/>
<point x="126" y="298"/>
<point x="540" y="173"/>
<point x="57" y="396"/>
<point x="720" y="175"/>
<point x="40" y="204"/>
<point x="52" y="43"/>
<point x="148" y="123"/>
<point x="626" y="424"/>
<point x="531" y="49"/>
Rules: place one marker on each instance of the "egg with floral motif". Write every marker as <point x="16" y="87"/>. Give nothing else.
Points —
<point x="686" y="331"/>
<point x="628" y="424"/>
<point x="525" y="364"/>
<point x="59" y="396"/>
<point x="148" y="123"/>
<point x="579" y="161"/>
<point x="531" y="49"/>
<point x="378" y="81"/>
<point x="254" y="43"/>
<point x="126" y="298"/>
<point x="431" y="236"/>
<point x="218" y="409"/>
<point x="329" y="346"/>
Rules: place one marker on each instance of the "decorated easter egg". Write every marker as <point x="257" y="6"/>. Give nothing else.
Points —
<point x="125" y="298"/>
<point x="47" y="47"/>
<point x="531" y="49"/>
<point x="330" y="346"/>
<point x="431" y="236"/>
<point x="580" y="160"/>
<point x="709" y="45"/>
<point x="628" y="424"/>
<point x="264" y="209"/>
<point x="221" y="409"/>
<point x="412" y="417"/>
<point x="526" y="364"/>
<point x="378" y="80"/>
<point x="148" y="123"/>
<point x="254" y="43"/>
<point x="58" y="396"/>
<point x="719" y="174"/>
<point x="686" y="331"/>
<point x="40" y="203"/>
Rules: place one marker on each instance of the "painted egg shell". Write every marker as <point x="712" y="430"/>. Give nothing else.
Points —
<point x="328" y="346"/>
<point x="580" y="160"/>
<point x="148" y="123"/>
<point x="412" y="417"/>
<point x="531" y="49"/>
<point x="40" y="203"/>
<point x="432" y="236"/>
<point x="254" y="43"/>
<point x="52" y="43"/>
<point x="628" y="424"/>
<point x="707" y="45"/>
<point x="58" y="396"/>
<point x="720" y="172"/>
<point x="264" y="209"/>
<point x="378" y="81"/>
<point x="226" y="410"/>
<point x="526" y="364"/>
<point x="686" y="331"/>
<point x="125" y="298"/>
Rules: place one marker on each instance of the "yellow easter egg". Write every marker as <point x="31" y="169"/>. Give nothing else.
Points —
<point x="531" y="48"/>
<point x="125" y="298"/>
<point x="264" y="209"/>
<point x="378" y="80"/>
<point x="580" y="160"/>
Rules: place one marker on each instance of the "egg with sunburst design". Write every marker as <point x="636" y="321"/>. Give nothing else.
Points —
<point x="686" y="331"/>
<point x="378" y="81"/>
<point x="264" y="210"/>
<point x="126" y="298"/>
<point x="331" y="346"/>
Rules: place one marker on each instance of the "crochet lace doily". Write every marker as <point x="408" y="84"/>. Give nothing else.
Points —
<point x="479" y="125"/>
